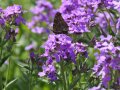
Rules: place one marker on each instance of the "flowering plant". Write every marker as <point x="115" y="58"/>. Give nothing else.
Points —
<point x="78" y="48"/>
<point x="10" y="18"/>
<point x="92" y="24"/>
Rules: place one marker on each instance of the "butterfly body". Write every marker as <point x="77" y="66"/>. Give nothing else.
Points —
<point x="60" y="26"/>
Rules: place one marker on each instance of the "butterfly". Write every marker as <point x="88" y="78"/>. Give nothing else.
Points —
<point x="59" y="25"/>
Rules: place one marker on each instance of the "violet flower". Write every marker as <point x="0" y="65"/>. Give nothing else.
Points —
<point x="12" y="14"/>
<point x="49" y="71"/>
<point x="43" y="12"/>
<point x="107" y="60"/>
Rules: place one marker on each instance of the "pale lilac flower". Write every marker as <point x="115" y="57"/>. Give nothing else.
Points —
<point x="43" y="12"/>
<point x="49" y="71"/>
<point x="59" y="46"/>
<point x="31" y="46"/>
<point x="12" y="10"/>
<point x="2" y="21"/>
<point x="102" y="20"/>
<point x="38" y="30"/>
<point x="19" y="20"/>
<point x="1" y="10"/>
<point x="108" y="59"/>
<point x="116" y="4"/>
<point x="32" y="55"/>
<point x="76" y="16"/>
<point x="79" y="13"/>
<point x="13" y="15"/>
<point x="118" y="25"/>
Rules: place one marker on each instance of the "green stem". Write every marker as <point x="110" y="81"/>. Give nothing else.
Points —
<point x="88" y="36"/>
<point x="0" y="52"/>
<point x="109" y="21"/>
<point x="7" y="75"/>
<point x="112" y="19"/>
<point x="29" y="75"/>
<point x="74" y="82"/>
<point x="66" y="73"/>
<point x="63" y="76"/>
<point x="1" y="45"/>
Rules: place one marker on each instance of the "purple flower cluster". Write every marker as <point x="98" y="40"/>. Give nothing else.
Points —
<point x="43" y="17"/>
<point x="60" y="47"/>
<point x="31" y="46"/>
<point x="104" y="20"/>
<point x="76" y="14"/>
<point x="81" y="16"/>
<point x="108" y="59"/>
<point x="49" y="71"/>
<point x="116" y="5"/>
<point x="12" y="15"/>
<point x="2" y="22"/>
<point x="79" y="13"/>
<point x="9" y="18"/>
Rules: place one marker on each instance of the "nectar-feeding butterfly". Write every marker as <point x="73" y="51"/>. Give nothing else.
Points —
<point x="59" y="25"/>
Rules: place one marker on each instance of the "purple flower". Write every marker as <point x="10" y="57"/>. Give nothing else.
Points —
<point x="41" y="5"/>
<point x="105" y="80"/>
<point x="59" y="46"/>
<point x="12" y="10"/>
<point x="43" y="12"/>
<point x="76" y="16"/>
<point x="38" y="30"/>
<point x="116" y="5"/>
<point x="41" y="74"/>
<point x="97" y="88"/>
<point x="6" y="62"/>
<point x="11" y="35"/>
<point x="115" y="63"/>
<point x="108" y="59"/>
<point x="31" y="46"/>
<point x="1" y="10"/>
<point x="79" y="47"/>
<point x="13" y="15"/>
<point x="49" y="71"/>
<point x="118" y="25"/>
<point x="2" y="22"/>
<point x="57" y="57"/>
<point x="30" y="24"/>
<point x="104" y="20"/>
<point x="19" y="20"/>
<point x="118" y="80"/>
<point x="32" y="55"/>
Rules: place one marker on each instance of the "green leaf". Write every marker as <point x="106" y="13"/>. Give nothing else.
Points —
<point x="27" y="67"/>
<point x="74" y="83"/>
<point x="11" y="83"/>
<point x="110" y="31"/>
<point x="3" y="43"/>
<point x="24" y="66"/>
<point x="4" y="59"/>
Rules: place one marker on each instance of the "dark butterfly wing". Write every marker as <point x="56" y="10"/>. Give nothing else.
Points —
<point x="59" y="25"/>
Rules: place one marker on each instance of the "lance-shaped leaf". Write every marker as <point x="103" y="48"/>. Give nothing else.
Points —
<point x="4" y="59"/>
